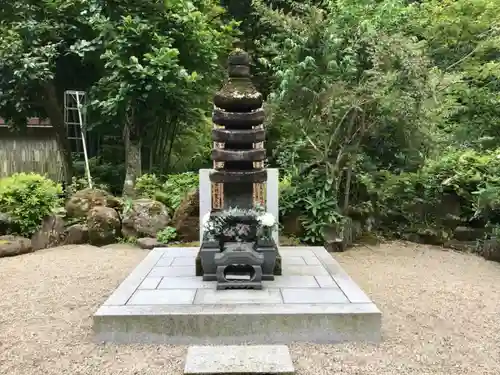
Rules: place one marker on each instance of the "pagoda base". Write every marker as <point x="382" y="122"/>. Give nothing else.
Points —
<point x="162" y="302"/>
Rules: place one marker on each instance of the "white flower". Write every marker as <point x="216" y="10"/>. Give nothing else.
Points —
<point x="267" y="220"/>
<point x="205" y="219"/>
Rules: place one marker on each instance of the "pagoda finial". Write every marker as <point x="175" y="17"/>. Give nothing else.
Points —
<point x="238" y="44"/>
<point x="238" y="62"/>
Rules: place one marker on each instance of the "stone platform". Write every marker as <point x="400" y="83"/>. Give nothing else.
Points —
<point x="162" y="301"/>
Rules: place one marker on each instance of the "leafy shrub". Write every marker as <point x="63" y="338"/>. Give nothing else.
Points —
<point x="128" y="240"/>
<point x="166" y="235"/>
<point x="109" y="174"/>
<point x="147" y="186"/>
<point x="177" y="186"/>
<point x="461" y="186"/>
<point x="313" y="200"/>
<point x="171" y="192"/>
<point x="28" y="198"/>
<point x="127" y="205"/>
<point x="83" y="183"/>
<point x="469" y="178"/>
<point x="488" y="202"/>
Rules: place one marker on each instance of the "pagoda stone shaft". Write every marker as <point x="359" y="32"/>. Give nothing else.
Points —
<point x="238" y="137"/>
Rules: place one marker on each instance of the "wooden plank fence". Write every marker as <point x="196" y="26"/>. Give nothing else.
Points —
<point x="34" y="150"/>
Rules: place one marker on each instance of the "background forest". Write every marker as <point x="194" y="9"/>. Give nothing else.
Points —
<point x="382" y="112"/>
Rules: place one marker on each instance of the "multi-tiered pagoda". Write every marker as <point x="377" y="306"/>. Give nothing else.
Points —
<point x="238" y="186"/>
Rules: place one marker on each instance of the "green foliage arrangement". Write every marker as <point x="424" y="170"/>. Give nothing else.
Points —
<point x="27" y="198"/>
<point x="236" y="224"/>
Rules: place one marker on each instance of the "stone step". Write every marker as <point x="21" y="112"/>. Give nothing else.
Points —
<point x="234" y="359"/>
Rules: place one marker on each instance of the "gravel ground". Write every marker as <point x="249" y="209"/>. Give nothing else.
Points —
<point x="441" y="315"/>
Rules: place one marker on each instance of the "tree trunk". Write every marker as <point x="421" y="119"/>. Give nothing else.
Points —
<point x="132" y="162"/>
<point x="56" y="117"/>
<point x="347" y="190"/>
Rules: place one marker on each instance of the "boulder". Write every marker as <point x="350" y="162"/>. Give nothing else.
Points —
<point x="103" y="225"/>
<point x="340" y="237"/>
<point x="14" y="245"/>
<point x="148" y="243"/>
<point x="491" y="249"/>
<point x="80" y="203"/>
<point x="186" y="218"/>
<point x="292" y="225"/>
<point x="465" y="246"/>
<point x="462" y="233"/>
<point x="77" y="234"/>
<point x="428" y="236"/>
<point x="50" y="234"/>
<point x="144" y="218"/>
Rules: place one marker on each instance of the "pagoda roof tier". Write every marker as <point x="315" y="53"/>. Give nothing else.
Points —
<point x="238" y="95"/>
<point x="258" y="154"/>
<point x="238" y="119"/>
<point x="238" y="135"/>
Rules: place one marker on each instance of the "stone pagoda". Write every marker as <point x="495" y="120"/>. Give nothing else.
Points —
<point x="237" y="249"/>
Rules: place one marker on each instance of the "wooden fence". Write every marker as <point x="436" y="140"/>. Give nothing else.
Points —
<point x="33" y="150"/>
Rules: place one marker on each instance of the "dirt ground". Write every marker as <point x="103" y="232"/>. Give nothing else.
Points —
<point x="441" y="315"/>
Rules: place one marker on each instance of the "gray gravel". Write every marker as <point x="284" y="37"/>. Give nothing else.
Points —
<point x="441" y="315"/>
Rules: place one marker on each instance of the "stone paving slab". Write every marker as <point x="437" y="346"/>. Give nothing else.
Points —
<point x="261" y="359"/>
<point x="308" y="295"/>
<point x="163" y="297"/>
<point x="215" y="297"/>
<point x="294" y="261"/>
<point x="163" y="301"/>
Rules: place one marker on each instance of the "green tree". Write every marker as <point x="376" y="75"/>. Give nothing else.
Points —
<point x="463" y="37"/>
<point x="37" y="63"/>
<point x="161" y="60"/>
<point x="353" y="94"/>
<point x="256" y="32"/>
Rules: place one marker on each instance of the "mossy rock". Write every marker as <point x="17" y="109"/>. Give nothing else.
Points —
<point x="103" y="225"/>
<point x="14" y="245"/>
<point x="83" y="201"/>
<point x="186" y="218"/>
<point x="145" y="218"/>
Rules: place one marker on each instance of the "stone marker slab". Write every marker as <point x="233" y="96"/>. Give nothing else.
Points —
<point x="233" y="359"/>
